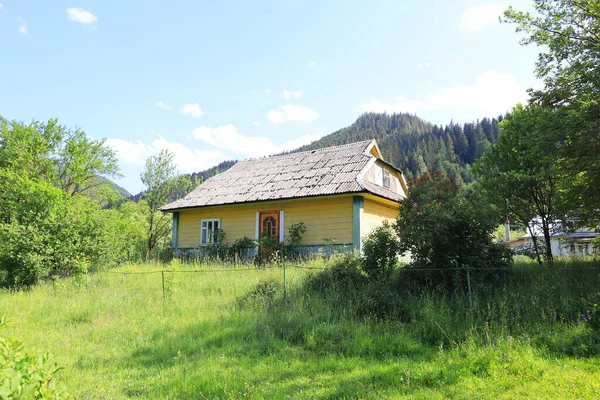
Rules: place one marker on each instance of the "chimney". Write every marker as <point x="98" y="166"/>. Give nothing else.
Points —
<point x="506" y="229"/>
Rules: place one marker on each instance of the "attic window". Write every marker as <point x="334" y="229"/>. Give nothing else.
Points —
<point x="386" y="178"/>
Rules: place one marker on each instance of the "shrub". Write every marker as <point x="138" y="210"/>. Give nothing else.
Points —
<point x="447" y="230"/>
<point x="343" y="278"/>
<point x="26" y="375"/>
<point x="295" y="233"/>
<point x="380" y="251"/>
<point x="263" y="295"/>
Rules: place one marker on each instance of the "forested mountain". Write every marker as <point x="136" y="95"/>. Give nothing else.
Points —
<point x="408" y="142"/>
<point x="414" y="145"/>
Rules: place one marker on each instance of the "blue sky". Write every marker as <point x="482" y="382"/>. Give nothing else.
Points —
<point x="230" y="80"/>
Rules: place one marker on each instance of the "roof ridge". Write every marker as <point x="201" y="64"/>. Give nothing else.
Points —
<point x="309" y="151"/>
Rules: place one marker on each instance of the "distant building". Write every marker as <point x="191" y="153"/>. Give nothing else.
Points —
<point x="568" y="244"/>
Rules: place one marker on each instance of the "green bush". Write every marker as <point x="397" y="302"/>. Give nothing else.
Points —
<point x="26" y="375"/>
<point x="380" y="251"/>
<point x="263" y="295"/>
<point x="449" y="236"/>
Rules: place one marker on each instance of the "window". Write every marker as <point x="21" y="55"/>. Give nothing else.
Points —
<point x="208" y="228"/>
<point x="386" y="178"/>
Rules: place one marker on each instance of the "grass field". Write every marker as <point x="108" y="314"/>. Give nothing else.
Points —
<point x="118" y="338"/>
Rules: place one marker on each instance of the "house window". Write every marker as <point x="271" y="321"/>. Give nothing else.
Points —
<point x="208" y="228"/>
<point x="386" y="178"/>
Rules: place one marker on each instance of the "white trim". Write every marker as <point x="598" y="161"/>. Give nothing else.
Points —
<point x="367" y="166"/>
<point x="281" y="227"/>
<point x="257" y="223"/>
<point x="218" y="220"/>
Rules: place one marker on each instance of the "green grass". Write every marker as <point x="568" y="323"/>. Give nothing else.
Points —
<point x="119" y="339"/>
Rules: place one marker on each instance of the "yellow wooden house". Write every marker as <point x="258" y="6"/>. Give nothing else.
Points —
<point x="340" y="193"/>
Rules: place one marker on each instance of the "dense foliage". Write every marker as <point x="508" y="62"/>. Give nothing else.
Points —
<point x="569" y="64"/>
<point x="447" y="231"/>
<point x="520" y="175"/>
<point x="53" y="183"/>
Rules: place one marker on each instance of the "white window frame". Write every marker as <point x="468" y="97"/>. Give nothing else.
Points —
<point x="385" y="173"/>
<point x="209" y="238"/>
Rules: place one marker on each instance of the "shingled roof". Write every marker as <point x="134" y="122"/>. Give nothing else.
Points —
<point x="332" y="170"/>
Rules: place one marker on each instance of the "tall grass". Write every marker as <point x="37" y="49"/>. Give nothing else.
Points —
<point x="231" y="334"/>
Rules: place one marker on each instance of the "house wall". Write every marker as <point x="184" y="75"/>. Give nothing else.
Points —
<point x="375" y="175"/>
<point x="564" y="247"/>
<point x="324" y="217"/>
<point x="375" y="212"/>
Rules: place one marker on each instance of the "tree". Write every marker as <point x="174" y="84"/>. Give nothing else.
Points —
<point x="520" y="176"/>
<point x="162" y="184"/>
<point x="82" y="161"/>
<point x="569" y="30"/>
<point x="569" y="64"/>
<point x="67" y="159"/>
<point x="444" y="228"/>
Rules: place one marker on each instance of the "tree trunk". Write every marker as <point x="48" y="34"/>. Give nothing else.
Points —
<point x="535" y="244"/>
<point x="548" y="241"/>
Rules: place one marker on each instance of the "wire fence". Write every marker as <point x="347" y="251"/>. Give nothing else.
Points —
<point x="231" y="282"/>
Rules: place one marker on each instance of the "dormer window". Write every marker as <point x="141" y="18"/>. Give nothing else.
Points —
<point x="386" y="178"/>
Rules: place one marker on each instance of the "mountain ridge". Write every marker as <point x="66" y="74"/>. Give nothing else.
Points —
<point x="407" y="141"/>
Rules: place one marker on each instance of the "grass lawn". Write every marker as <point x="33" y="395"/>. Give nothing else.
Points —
<point x="120" y="339"/>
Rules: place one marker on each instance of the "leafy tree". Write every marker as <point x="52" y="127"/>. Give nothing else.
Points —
<point x="162" y="183"/>
<point x="81" y="161"/>
<point x="570" y="60"/>
<point x="47" y="225"/>
<point x="445" y="229"/>
<point x="568" y="32"/>
<point x="520" y="175"/>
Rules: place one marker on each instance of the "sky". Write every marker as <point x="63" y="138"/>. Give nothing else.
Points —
<point x="214" y="81"/>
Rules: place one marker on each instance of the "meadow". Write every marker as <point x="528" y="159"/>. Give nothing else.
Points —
<point x="231" y="334"/>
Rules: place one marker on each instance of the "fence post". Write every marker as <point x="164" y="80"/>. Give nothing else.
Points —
<point x="284" y="280"/>
<point x="163" y="284"/>
<point x="469" y="286"/>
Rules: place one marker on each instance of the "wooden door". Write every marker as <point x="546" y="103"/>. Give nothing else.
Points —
<point x="269" y="225"/>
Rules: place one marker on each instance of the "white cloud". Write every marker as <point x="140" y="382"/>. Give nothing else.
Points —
<point x="187" y="160"/>
<point x="23" y="28"/>
<point x="1" y="5"/>
<point x="475" y="18"/>
<point x="291" y="112"/>
<point x="424" y="64"/>
<point x="311" y="64"/>
<point x="226" y="137"/>
<point x="256" y="123"/>
<point x="492" y="93"/>
<point x="193" y="110"/>
<point x="292" y="94"/>
<point x="81" y="16"/>
<point x="164" y="106"/>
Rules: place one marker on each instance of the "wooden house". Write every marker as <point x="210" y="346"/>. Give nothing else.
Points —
<point x="340" y="193"/>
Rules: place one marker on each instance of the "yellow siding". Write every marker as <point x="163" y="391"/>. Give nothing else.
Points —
<point x="375" y="213"/>
<point x="325" y="217"/>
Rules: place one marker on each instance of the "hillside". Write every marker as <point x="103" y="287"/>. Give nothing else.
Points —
<point x="409" y="142"/>
<point x="415" y="145"/>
